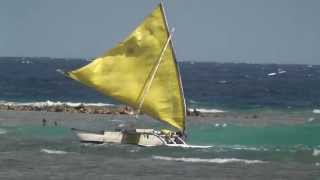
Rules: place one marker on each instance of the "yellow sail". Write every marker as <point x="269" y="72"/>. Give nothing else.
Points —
<point x="124" y="72"/>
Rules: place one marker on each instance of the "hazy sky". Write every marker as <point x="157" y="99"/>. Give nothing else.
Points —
<point x="260" y="31"/>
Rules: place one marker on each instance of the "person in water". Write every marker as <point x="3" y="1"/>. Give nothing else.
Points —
<point x="44" y="122"/>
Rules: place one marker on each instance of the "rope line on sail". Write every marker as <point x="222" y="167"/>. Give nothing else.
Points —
<point x="149" y="81"/>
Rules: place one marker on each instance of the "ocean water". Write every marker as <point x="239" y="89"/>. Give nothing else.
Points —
<point x="245" y="148"/>
<point x="206" y="85"/>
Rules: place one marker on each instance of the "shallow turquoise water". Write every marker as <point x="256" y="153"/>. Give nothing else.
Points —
<point x="272" y="135"/>
<point x="270" y="143"/>
<point x="36" y="152"/>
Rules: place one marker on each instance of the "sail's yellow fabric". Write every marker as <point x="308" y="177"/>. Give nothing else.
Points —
<point x="124" y="71"/>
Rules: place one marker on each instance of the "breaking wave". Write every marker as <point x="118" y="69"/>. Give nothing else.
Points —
<point x="203" y="110"/>
<point x="246" y="148"/>
<point x="214" y="160"/>
<point x="316" y="152"/>
<point x="3" y="131"/>
<point x="52" y="103"/>
<point x="50" y="151"/>
<point x="316" y="111"/>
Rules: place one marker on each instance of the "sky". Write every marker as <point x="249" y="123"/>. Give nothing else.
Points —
<point x="250" y="31"/>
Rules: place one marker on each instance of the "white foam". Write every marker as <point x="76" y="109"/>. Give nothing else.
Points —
<point x="281" y="71"/>
<point x="133" y="150"/>
<point x="311" y="119"/>
<point x="272" y="74"/>
<point x="52" y="103"/>
<point x="239" y="147"/>
<point x="222" y="81"/>
<point x="117" y="120"/>
<point x="26" y="62"/>
<point x="193" y="101"/>
<point x="189" y="146"/>
<point x="316" y="152"/>
<point x="50" y="151"/>
<point x="220" y="125"/>
<point x="214" y="160"/>
<point x="316" y="111"/>
<point x="3" y="131"/>
<point x="203" y="110"/>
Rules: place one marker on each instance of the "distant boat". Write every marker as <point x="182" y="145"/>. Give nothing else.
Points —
<point x="141" y="72"/>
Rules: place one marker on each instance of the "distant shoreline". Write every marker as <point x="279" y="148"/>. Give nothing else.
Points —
<point x="71" y="109"/>
<point x="88" y="109"/>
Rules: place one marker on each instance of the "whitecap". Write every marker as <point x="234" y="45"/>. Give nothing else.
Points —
<point x="50" y="151"/>
<point x="220" y="125"/>
<point x="117" y="120"/>
<point x="311" y="119"/>
<point x="272" y="74"/>
<point x="213" y="160"/>
<point x="281" y="71"/>
<point x="239" y="147"/>
<point x="49" y="103"/>
<point x="26" y="62"/>
<point x="3" y="131"/>
<point x="134" y="150"/>
<point x="192" y="101"/>
<point x="316" y="111"/>
<point x="316" y="152"/>
<point x="222" y="82"/>
<point x="203" y="110"/>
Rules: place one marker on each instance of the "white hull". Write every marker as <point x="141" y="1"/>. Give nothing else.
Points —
<point x="141" y="137"/>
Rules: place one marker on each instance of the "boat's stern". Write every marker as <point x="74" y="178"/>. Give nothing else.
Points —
<point x="89" y="137"/>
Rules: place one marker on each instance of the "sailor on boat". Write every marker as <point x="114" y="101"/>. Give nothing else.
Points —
<point x="172" y="137"/>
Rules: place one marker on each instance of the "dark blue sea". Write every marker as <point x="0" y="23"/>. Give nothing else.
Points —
<point x="206" y="85"/>
<point x="264" y="124"/>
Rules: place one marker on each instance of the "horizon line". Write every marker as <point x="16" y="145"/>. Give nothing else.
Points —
<point x="188" y="60"/>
